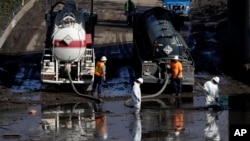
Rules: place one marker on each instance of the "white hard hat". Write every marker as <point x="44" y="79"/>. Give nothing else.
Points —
<point x="140" y="80"/>
<point x="104" y="58"/>
<point x="216" y="79"/>
<point x="176" y="57"/>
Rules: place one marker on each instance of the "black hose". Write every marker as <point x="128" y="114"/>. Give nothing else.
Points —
<point x="53" y="6"/>
<point x="128" y="102"/>
<point x="98" y="100"/>
<point x="163" y="105"/>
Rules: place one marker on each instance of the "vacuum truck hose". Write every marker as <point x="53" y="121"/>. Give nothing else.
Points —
<point x="98" y="100"/>
<point x="128" y="102"/>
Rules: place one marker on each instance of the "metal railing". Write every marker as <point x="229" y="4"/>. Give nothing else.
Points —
<point x="9" y="8"/>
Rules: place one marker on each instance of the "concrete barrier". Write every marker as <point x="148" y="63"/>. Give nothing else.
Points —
<point x="15" y="20"/>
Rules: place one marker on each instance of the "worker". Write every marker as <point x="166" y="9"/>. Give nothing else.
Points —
<point x="129" y="9"/>
<point x="100" y="75"/>
<point x="212" y="91"/>
<point x="176" y="79"/>
<point x="136" y="96"/>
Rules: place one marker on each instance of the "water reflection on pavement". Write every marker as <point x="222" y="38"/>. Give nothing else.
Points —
<point x="112" y="121"/>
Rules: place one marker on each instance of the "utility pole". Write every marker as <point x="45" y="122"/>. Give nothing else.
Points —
<point x="91" y="7"/>
<point x="92" y="20"/>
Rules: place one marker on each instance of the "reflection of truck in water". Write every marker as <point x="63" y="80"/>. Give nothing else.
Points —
<point x="73" y="121"/>
<point x="181" y="7"/>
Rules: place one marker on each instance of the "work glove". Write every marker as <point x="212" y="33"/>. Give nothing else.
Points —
<point x="168" y="67"/>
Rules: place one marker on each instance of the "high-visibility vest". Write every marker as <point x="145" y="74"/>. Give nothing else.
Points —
<point x="128" y="6"/>
<point x="98" y="68"/>
<point x="176" y="69"/>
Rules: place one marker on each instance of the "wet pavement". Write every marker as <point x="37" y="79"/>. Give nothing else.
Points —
<point x="114" y="121"/>
<point x="88" y="121"/>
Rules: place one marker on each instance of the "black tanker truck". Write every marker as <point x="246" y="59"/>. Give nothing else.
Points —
<point x="156" y="41"/>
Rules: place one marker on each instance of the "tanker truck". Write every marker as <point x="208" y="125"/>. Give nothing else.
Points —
<point x="68" y="56"/>
<point x="156" y="41"/>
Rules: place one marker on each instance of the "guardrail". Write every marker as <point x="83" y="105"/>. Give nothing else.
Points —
<point x="11" y="14"/>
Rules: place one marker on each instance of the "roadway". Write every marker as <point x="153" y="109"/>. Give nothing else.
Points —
<point x="111" y="27"/>
<point x="113" y="38"/>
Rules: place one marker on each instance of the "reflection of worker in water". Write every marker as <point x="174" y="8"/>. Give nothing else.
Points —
<point x="178" y="119"/>
<point x="101" y="127"/>
<point x="211" y="129"/>
<point x="178" y="116"/>
<point x="137" y="129"/>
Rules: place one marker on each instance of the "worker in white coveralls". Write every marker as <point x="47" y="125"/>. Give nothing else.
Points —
<point x="136" y="95"/>
<point x="211" y="89"/>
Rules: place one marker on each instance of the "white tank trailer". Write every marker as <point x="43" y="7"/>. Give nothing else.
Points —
<point x="68" y="49"/>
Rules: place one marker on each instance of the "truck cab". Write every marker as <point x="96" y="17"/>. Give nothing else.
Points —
<point x="180" y="7"/>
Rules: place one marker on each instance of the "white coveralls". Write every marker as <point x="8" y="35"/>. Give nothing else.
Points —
<point x="137" y="130"/>
<point x="136" y="97"/>
<point x="212" y="92"/>
<point x="211" y="130"/>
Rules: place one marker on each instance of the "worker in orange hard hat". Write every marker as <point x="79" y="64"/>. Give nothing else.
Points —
<point x="100" y="75"/>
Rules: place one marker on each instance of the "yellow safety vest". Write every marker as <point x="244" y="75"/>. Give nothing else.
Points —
<point x="98" y="68"/>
